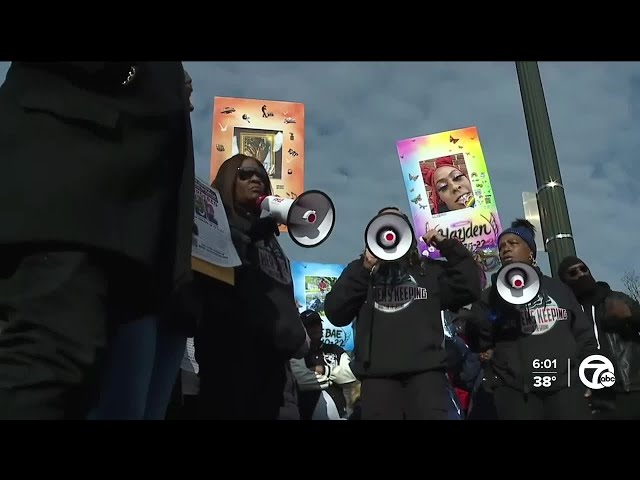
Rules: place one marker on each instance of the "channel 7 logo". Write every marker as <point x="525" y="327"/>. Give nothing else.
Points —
<point x="602" y="375"/>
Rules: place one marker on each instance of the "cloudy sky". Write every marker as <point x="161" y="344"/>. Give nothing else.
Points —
<point x="355" y="112"/>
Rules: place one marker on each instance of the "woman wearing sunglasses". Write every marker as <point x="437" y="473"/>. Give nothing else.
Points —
<point x="532" y="352"/>
<point x="249" y="331"/>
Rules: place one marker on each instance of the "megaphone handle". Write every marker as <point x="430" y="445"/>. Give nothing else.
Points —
<point x="369" y="261"/>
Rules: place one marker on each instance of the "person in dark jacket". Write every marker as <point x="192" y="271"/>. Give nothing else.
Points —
<point x="96" y="208"/>
<point x="616" y="321"/>
<point x="142" y="361"/>
<point x="289" y="409"/>
<point x="533" y="350"/>
<point x="258" y="315"/>
<point x="399" y="349"/>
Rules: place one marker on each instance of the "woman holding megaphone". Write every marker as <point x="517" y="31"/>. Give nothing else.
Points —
<point x="396" y="299"/>
<point x="248" y="331"/>
<point x="532" y="334"/>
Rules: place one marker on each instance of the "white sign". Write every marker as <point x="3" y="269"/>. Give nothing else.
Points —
<point x="602" y="375"/>
<point x="211" y="236"/>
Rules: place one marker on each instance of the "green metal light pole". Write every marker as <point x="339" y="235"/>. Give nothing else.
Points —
<point x="554" y="215"/>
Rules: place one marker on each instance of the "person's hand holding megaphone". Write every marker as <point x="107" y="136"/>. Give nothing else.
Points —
<point x="368" y="260"/>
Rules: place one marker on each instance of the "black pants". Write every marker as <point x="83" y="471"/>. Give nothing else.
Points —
<point x="564" y="404"/>
<point x="241" y="375"/>
<point x="626" y="406"/>
<point x="57" y="310"/>
<point x="186" y="410"/>
<point x="420" y="396"/>
<point x="181" y="406"/>
<point x="237" y="385"/>
<point x="482" y="405"/>
<point x="54" y="311"/>
<point x="240" y="394"/>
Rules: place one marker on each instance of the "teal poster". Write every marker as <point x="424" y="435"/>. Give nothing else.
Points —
<point x="312" y="282"/>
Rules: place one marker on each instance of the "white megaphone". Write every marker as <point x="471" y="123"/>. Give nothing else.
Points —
<point x="389" y="236"/>
<point x="309" y="218"/>
<point x="518" y="283"/>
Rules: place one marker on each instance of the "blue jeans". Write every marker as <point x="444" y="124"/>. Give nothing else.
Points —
<point x="142" y="368"/>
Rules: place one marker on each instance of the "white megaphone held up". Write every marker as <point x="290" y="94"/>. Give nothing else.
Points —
<point x="389" y="236"/>
<point x="309" y="218"/>
<point x="518" y="283"/>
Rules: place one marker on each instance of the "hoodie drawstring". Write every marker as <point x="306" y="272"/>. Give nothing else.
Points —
<point x="593" y="319"/>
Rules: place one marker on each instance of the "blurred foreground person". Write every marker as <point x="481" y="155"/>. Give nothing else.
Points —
<point x="143" y="358"/>
<point x="323" y="398"/>
<point x="518" y="343"/>
<point x="399" y="353"/>
<point x="616" y="320"/>
<point x="255" y="322"/>
<point x="96" y="208"/>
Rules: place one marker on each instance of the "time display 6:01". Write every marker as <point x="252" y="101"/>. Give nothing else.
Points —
<point x="546" y="363"/>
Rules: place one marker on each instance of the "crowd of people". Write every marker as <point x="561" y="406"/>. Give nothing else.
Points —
<point x="102" y="316"/>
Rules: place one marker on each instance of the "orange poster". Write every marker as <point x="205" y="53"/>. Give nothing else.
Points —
<point x="271" y="131"/>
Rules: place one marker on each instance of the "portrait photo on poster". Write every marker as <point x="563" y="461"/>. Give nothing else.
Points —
<point x="265" y="145"/>
<point x="312" y="282"/>
<point x="449" y="189"/>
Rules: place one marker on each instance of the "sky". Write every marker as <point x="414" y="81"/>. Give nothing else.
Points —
<point x="356" y="111"/>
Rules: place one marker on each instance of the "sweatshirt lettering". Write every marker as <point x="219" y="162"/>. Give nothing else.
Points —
<point x="394" y="298"/>
<point x="542" y="319"/>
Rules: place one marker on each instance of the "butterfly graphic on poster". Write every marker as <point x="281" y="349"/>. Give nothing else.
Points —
<point x="417" y="199"/>
<point x="413" y="178"/>
<point x="453" y="140"/>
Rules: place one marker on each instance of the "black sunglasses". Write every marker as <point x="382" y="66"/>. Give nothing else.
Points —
<point x="574" y="271"/>
<point x="245" y="173"/>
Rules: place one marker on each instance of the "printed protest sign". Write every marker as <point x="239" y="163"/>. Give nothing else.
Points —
<point x="312" y="282"/>
<point x="212" y="250"/>
<point x="449" y="189"/>
<point x="270" y="131"/>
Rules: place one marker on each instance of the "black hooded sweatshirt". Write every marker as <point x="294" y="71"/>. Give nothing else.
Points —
<point x="618" y="338"/>
<point x="398" y="327"/>
<point x="262" y="298"/>
<point x="534" y="341"/>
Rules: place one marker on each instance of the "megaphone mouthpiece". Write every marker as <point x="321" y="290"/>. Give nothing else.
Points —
<point x="518" y="283"/>
<point x="388" y="239"/>
<point x="310" y="216"/>
<point x="516" y="278"/>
